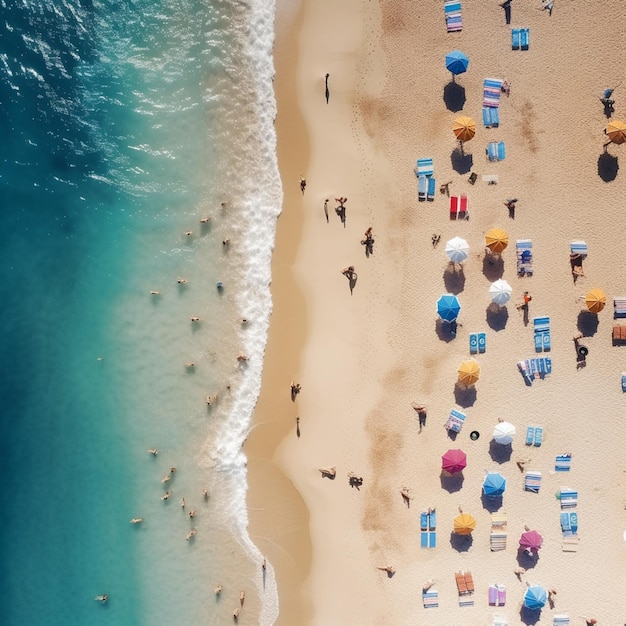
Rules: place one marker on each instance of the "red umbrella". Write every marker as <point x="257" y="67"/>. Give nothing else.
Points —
<point x="531" y="540"/>
<point x="453" y="461"/>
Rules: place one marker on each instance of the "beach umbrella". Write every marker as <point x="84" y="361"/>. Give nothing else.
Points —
<point x="503" y="433"/>
<point x="464" y="524"/>
<point x="595" y="300"/>
<point x="496" y="240"/>
<point x="454" y="461"/>
<point x="616" y="131"/>
<point x="448" y="307"/>
<point x="500" y="291"/>
<point x="464" y="128"/>
<point x="535" y="597"/>
<point x="457" y="62"/>
<point x="457" y="249"/>
<point x="531" y="540"/>
<point x="494" y="484"/>
<point x="469" y="372"/>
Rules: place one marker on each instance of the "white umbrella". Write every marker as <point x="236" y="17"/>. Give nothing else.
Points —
<point x="500" y="292"/>
<point x="503" y="433"/>
<point x="457" y="250"/>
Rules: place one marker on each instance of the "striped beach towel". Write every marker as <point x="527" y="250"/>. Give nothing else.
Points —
<point x="454" y="18"/>
<point x="492" y="88"/>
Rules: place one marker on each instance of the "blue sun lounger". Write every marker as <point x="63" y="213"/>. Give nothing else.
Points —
<point x="473" y="343"/>
<point x="430" y="194"/>
<point x="569" y="523"/>
<point x="542" y="333"/>
<point x="491" y="117"/>
<point x="624" y="382"/>
<point x="524" y="36"/>
<point x="568" y="498"/>
<point x="454" y="17"/>
<point x="422" y="188"/>
<point x="538" y="440"/>
<point x="530" y="435"/>
<point x="515" y="38"/>
<point x="482" y="342"/>
<point x="496" y="151"/>
<point x="563" y="463"/>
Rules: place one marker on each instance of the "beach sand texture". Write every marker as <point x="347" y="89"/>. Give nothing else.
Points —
<point x="363" y="357"/>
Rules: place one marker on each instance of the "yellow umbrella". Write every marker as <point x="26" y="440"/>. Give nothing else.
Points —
<point x="464" y="128"/>
<point x="464" y="524"/>
<point x="469" y="372"/>
<point x="595" y="300"/>
<point x="616" y="131"/>
<point x="496" y="240"/>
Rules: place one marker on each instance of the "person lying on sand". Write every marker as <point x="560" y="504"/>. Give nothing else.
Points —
<point x="331" y="472"/>
<point x="390" y="569"/>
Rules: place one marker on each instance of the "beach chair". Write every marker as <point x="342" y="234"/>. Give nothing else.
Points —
<point x="491" y="117"/>
<point x="573" y="521"/>
<point x="499" y="533"/>
<point x="624" y="382"/>
<point x="563" y="463"/>
<point x="578" y="247"/>
<point x="569" y="523"/>
<point x="542" y="333"/>
<point x="424" y="167"/>
<point x="492" y="595"/>
<point x="465" y="585"/>
<point x="619" y="307"/>
<point x="458" y="207"/>
<point x="492" y="88"/>
<point x="619" y="334"/>
<point x="538" y="440"/>
<point x="515" y="39"/>
<point x="530" y="435"/>
<point x="432" y="519"/>
<point x="455" y="421"/>
<point x="496" y="151"/>
<point x="561" y="620"/>
<point x="430" y="599"/>
<point x="453" y="15"/>
<point x="499" y="620"/>
<point x="524" y="253"/>
<point x="568" y="498"/>
<point x="422" y="188"/>
<point x="430" y="193"/>
<point x="501" y="594"/>
<point x="473" y="343"/>
<point x="532" y="481"/>
<point x="524" y="38"/>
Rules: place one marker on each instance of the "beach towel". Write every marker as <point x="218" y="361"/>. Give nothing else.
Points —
<point x="524" y="252"/>
<point x="492" y="88"/>
<point x="560" y="620"/>
<point x="430" y="599"/>
<point x="568" y="498"/>
<point x="619" y="306"/>
<point x="454" y="18"/>
<point x="532" y="481"/>
<point x="563" y="463"/>
<point x="455" y="421"/>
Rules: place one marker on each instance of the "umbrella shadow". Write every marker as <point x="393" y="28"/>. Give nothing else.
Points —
<point x="454" y="96"/>
<point x="465" y="396"/>
<point x="461" y="543"/>
<point x="454" y="278"/>
<point x="497" y="316"/>
<point x="607" y="167"/>
<point x="525" y="560"/>
<point x="500" y="453"/>
<point x="493" y="267"/>
<point x="461" y="162"/>
<point x="491" y="503"/>
<point x="446" y="331"/>
<point x="451" y="482"/>
<point x="529" y="616"/>
<point x="588" y="323"/>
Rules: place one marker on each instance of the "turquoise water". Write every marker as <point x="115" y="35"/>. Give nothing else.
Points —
<point x="124" y="125"/>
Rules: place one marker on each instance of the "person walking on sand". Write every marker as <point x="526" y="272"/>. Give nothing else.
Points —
<point x="525" y="302"/>
<point x="390" y="569"/>
<point x="349" y="272"/>
<point x="327" y="91"/>
<point x="326" y="209"/>
<point x="302" y="184"/>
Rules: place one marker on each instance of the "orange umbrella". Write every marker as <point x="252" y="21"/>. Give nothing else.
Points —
<point x="464" y="524"/>
<point x="496" y="240"/>
<point x="595" y="300"/>
<point x="469" y="372"/>
<point x="616" y="131"/>
<point x="464" y="128"/>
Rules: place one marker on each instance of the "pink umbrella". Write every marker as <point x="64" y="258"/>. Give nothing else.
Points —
<point x="453" y="461"/>
<point x="531" y="540"/>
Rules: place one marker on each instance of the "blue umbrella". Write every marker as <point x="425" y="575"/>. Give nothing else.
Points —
<point x="448" y="307"/>
<point x="494" y="484"/>
<point x="457" y="62"/>
<point x="535" y="597"/>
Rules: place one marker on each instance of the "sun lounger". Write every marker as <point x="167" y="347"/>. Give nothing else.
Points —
<point x="563" y="463"/>
<point x="524" y="38"/>
<point x="538" y="436"/>
<point x="497" y="541"/>
<point x="501" y="594"/>
<point x="524" y="251"/>
<point x="496" y="151"/>
<point x="465" y="586"/>
<point x="515" y="38"/>
<point x="492" y="88"/>
<point x="460" y="582"/>
<point x="430" y="599"/>
<point x="530" y="435"/>
<point x="482" y="342"/>
<point x="568" y="498"/>
<point x="619" y="307"/>
<point x="423" y="540"/>
<point x="497" y="595"/>
<point x="560" y="620"/>
<point x="455" y="421"/>
<point x="422" y="188"/>
<point x="458" y="207"/>
<point x="492" y="595"/>
<point x="491" y="117"/>
<point x="578" y="247"/>
<point x="532" y="481"/>
<point x="424" y="520"/>
<point x="454" y="18"/>
<point x="619" y="334"/>
<point x="473" y="343"/>
<point x="432" y="519"/>
<point x="430" y="194"/>
<point x="542" y="333"/>
<point x="624" y="382"/>
<point x="499" y="620"/>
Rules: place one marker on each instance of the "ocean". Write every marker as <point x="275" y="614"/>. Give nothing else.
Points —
<point x="124" y="124"/>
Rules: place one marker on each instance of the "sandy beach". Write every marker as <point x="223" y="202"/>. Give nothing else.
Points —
<point x="362" y="356"/>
